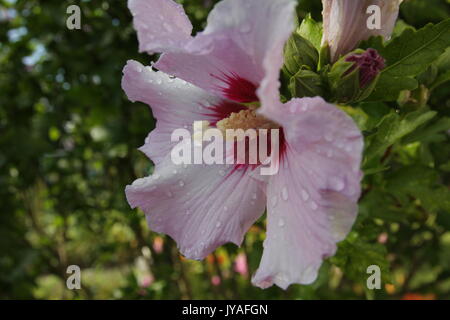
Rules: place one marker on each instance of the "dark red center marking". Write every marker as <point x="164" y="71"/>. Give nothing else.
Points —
<point x="237" y="88"/>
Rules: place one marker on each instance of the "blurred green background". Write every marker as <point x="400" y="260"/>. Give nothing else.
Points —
<point x="68" y="148"/>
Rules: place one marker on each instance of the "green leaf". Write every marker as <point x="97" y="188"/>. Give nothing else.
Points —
<point x="421" y="183"/>
<point x="355" y="254"/>
<point x="441" y="79"/>
<point x="392" y="128"/>
<point x="306" y="83"/>
<point x="407" y="56"/>
<point x="388" y="88"/>
<point x="413" y="51"/>
<point x="432" y="132"/>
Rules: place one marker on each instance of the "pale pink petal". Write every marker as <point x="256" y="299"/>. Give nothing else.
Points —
<point x="200" y="206"/>
<point x="312" y="201"/>
<point x="160" y="24"/>
<point x="175" y="103"/>
<point x="244" y="40"/>
<point x="345" y="23"/>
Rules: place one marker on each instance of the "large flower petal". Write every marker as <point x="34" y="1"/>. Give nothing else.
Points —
<point x="160" y="24"/>
<point x="201" y="207"/>
<point x="241" y="46"/>
<point x="312" y="201"/>
<point x="175" y="103"/>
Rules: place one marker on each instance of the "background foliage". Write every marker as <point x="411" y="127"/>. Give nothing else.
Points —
<point x="68" y="146"/>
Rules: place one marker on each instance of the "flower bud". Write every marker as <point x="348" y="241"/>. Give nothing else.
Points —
<point x="369" y="64"/>
<point x="348" y="22"/>
<point x="353" y="77"/>
<point x="299" y="53"/>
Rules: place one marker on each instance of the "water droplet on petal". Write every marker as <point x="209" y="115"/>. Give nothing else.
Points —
<point x="305" y="195"/>
<point x="246" y="28"/>
<point x="254" y="196"/>
<point x="329" y="137"/>
<point x="329" y="153"/>
<point x="284" y="194"/>
<point x="281" y="223"/>
<point x="337" y="184"/>
<point x="169" y="194"/>
<point x="181" y="183"/>
<point x="156" y="176"/>
<point x="274" y="201"/>
<point x="314" y="205"/>
<point x="218" y="224"/>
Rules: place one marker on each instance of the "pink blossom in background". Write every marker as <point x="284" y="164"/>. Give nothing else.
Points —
<point x="146" y="281"/>
<point x="312" y="201"/>
<point x="215" y="280"/>
<point x="240" y="264"/>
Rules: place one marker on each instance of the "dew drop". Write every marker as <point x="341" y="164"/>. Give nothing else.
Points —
<point x="284" y="194"/>
<point x="167" y="26"/>
<point x="218" y="224"/>
<point x="254" y="196"/>
<point x="305" y="195"/>
<point x="314" y="205"/>
<point x="169" y="194"/>
<point x="329" y="153"/>
<point x="281" y="223"/>
<point x="274" y="201"/>
<point x="246" y="28"/>
<point x="329" y="137"/>
<point x="181" y="183"/>
<point x="337" y="184"/>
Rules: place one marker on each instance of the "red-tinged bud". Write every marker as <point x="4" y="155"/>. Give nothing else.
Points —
<point x="369" y="63"/>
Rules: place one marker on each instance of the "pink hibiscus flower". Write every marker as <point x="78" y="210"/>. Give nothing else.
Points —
<point x="311" y="202"/>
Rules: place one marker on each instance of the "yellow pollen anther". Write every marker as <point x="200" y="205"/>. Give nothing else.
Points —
<point x="246" y="119"/>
